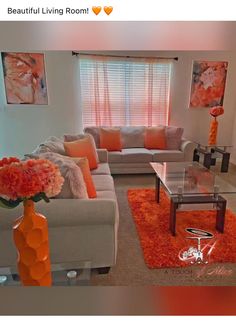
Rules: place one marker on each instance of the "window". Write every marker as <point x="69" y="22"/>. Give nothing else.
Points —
<point x="119" y="92"/>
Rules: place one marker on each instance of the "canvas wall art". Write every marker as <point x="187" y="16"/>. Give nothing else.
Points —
<point x="208" y="84"/>
<point x="24" y="77"/>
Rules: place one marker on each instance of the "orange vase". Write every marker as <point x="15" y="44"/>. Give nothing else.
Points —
<point x="30" y="233"/>
<point x="213" y="132"/>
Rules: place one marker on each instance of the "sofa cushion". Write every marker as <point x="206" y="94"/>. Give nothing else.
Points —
<point x="103" y="182"/>
<point x="69" y="138"/>
<point x="115" y="157"/>
<point x="167" y="155"/>
<point x="132" y="137"/>
<point x="155" y="138"/>
<point x="103" y="169"/>
<point x="84" y="166"/>
<point x="51" y="144"/>
<point x="110" y="139"/>
<point x="136" y="155"/>
<point x="173" y="137"/>
<point x="130" y="155"/>
<point x="102" y="155"/>
<point x="84" y="146"/>
<point x="74" y="184"/>
<point x="95" y="132"/>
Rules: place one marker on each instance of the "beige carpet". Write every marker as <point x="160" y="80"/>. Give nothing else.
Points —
<point x="131" y="270"/>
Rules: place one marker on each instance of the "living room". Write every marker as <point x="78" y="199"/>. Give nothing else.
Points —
<point x="23" y="127"/>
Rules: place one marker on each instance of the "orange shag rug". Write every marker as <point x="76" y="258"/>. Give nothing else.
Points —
<point x="161" y="249"/>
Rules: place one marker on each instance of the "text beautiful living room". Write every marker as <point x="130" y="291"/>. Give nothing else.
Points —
<point x="117" y="168"/>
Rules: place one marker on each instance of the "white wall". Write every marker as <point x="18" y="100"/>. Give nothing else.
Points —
<point x="23" y="127"/>
<point x="196" y="121"/>
<point x="233" y="151"/>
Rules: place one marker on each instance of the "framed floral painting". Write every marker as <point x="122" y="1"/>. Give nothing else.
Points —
<point x="208" y="84"/>
<point x="24" y="77"/>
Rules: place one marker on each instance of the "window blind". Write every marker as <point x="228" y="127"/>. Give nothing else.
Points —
<point x="119" y="92"/>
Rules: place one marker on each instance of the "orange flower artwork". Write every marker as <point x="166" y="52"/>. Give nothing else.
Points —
<point x="25" y="80"/>
<point x="208" y="84"/>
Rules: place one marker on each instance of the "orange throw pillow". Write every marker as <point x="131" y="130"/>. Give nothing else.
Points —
<point x="83" y="147"/>
<point x="155" y="138"/>
<point x="110" y="139"/>
<point x="84" y="167"/>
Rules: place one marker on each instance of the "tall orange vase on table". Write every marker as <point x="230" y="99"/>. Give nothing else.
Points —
<point x="30" y="233"/>
<point x="214" y="112"/>
<point x="213" y="132"/>
<point x="28" y="182"/>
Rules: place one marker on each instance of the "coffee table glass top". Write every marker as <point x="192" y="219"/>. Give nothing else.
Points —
<point x="190" y="178"/>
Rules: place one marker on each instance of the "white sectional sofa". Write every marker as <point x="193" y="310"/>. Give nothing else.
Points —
<point x="135" y="158"/>
<point x="87" y="229"/>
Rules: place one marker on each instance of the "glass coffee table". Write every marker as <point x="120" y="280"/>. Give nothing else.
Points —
<point x="192" y="183"/>
<point x="63" y="274"/>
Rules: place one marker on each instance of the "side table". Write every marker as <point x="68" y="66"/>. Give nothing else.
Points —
<point x="209" y="153"/>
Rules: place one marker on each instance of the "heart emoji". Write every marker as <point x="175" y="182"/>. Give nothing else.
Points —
<point x="108" y="10"/>
<point x="97" y="10"/>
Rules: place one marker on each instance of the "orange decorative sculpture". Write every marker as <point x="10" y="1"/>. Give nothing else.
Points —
<point x="29" y="182"/>
<point x="214" y="112"/>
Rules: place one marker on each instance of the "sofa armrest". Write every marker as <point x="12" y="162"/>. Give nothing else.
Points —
<point x="102" y="155"/>
<point x="80" y="212"/>
<point x="69" y="212"/>
<point x="187" y="147"/>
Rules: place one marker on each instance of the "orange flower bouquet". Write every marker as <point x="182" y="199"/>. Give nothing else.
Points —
<point x="28" y="182"/>
<point x="32" y="179"/>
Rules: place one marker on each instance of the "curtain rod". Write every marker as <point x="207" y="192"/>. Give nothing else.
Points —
<point x="76" y="54"/>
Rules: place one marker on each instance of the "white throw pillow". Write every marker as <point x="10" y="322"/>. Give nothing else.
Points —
<point x="74" y="185"/>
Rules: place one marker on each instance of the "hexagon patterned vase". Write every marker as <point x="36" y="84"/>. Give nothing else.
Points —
<point x="30" y="233"/>
<point x="213" y="132"/>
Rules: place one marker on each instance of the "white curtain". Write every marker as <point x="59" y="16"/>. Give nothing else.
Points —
<point x="118" y="92"/>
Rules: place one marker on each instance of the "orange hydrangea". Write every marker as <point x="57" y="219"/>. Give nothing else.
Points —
<point x="8" y="161"/>
<point x="25" y="179"/>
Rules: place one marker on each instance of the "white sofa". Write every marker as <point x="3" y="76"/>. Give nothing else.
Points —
<point x="134" y="158"/>
<point x="79" y="229"/>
